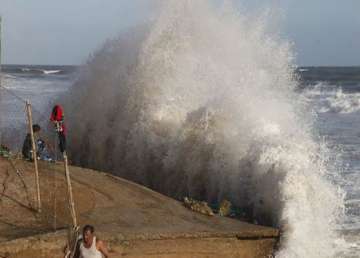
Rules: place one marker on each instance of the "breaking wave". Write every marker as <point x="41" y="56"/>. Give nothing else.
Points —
<point x="35" y="70"/>
<point x="51" y="71"/>
<point x="341" y="102"/>
<point x="202" y="102"/>
<point x="31" y="70"/>
<point x="333" y="99"/>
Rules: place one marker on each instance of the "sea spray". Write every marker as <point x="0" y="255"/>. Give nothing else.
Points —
<point x="202" y="103"/>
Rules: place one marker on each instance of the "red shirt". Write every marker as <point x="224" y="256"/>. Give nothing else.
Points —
<point x="57" y="116"/>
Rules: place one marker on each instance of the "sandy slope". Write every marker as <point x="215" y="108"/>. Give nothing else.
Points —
<point x="134" y="221"/>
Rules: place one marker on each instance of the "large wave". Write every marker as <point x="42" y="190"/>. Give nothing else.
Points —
<point x="202" y="102"/>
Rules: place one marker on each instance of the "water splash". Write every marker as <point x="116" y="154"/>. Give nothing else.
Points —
<point x="202" y="102"/>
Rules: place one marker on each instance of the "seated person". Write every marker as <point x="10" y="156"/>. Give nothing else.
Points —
<point x="41" y="151"/>
<point x="27" y="145"/>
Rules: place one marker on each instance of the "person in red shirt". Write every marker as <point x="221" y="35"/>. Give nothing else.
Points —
<point x="57" y="117"/>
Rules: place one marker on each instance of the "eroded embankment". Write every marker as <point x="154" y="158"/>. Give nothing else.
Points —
<point x="133" y="220"/>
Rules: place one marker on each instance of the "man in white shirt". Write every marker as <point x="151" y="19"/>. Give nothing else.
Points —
<point x="91" y="247"/>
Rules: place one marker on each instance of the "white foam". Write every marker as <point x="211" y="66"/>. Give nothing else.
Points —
<point x="29" y="70"/>
<point x="341" y="102"/>
<point x="303" y="70"/>
<point x="333" y="99"/>
<point x="51" y="71"/>
<point x="205" y="105"/>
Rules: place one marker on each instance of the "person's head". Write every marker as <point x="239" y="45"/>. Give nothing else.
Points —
<point x="57" y="113"/>
<point x="36" y="128"/>
<point x="88" y="233"/>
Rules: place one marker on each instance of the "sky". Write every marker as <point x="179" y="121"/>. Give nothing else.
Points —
<point x="323" y="32"/>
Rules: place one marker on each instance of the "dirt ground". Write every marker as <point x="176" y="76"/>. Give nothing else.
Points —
<point x="133" y="220"/>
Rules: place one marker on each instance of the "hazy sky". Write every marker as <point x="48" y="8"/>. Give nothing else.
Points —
<point x="324" y="32"/>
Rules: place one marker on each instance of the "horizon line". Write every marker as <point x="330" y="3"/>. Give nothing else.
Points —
<point x="308" y="66"/>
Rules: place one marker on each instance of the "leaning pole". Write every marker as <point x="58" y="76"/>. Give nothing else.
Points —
<point x="0" y="81"/>
<point x="0" y="51"/>
<point x="34" y="155"/>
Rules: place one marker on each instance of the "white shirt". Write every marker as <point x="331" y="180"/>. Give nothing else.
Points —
<point x="91" y="252"/>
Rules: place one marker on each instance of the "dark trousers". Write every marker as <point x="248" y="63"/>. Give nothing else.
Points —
<point x="62" y="142"/>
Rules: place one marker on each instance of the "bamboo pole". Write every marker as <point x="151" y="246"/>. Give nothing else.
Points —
<point x="0" y="51"/>
<point x="70" y="193"/>
<point x="34" y="156"/>
<point x="0" y="74"/>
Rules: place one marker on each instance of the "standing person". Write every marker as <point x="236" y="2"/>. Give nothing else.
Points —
<point x="57" y="117"/>
<point x="91" y="247"/>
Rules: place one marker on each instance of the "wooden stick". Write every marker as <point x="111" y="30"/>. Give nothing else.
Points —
<point x="71" y="199"/>
<point x="34" y="156"/>
<point x="0" y="71"/>
<point x="0" y="52"/>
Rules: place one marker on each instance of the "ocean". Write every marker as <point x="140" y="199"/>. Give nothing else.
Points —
<point x="333" y="94"/>
<point x="40" y="85"/>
